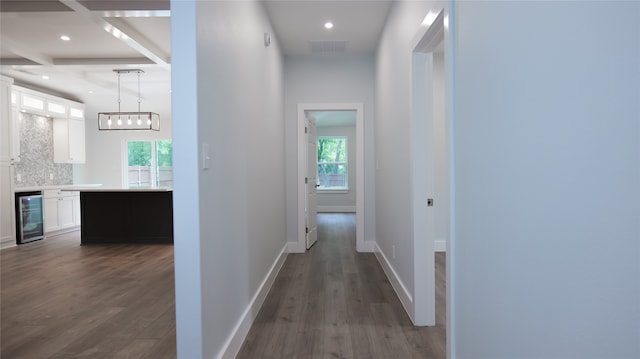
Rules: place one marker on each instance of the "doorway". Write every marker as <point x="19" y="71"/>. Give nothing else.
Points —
<point x="302" y="115"/>
<point x="430" y="162"/>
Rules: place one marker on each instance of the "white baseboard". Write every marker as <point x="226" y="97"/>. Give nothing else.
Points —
<point x="367" y="247"/>
<point x="440" y="245"/>
<point x="401" y="291"/>
<point x="239" y="334"/>
<point x="61" y="231"/>
<point x="7" y="242"/>
<point x="295" y="247"/>
<point x="336" y="209"/>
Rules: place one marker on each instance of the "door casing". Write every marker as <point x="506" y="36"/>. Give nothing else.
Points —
<point x="303" y="108"/>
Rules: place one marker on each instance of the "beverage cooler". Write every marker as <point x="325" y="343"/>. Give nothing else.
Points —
<point x="29" y="217"/>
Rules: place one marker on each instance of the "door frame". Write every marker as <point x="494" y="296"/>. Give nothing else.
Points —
<point x="431" y="34"/>
<point x="300" y="247"/>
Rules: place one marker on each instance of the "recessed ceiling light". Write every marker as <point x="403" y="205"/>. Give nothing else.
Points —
<point x="90" y="91"/>
<point x="64" y="38"/>
<point x="45" y="77"/>
<point x="328" y="25"/>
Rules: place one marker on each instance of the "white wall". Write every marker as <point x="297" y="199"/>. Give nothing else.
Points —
<point x="104" y="149"/>
<point x="329" y="79"/>
<point x="547" y="180"/>
<point x="341" y="201"/>
<point x="230" y="218"/>
<point x="394" y="219"/>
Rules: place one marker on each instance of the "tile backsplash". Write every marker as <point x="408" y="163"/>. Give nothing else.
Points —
<point x="36" y="165"/>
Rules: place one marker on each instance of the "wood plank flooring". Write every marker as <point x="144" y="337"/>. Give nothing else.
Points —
<point x="332" y="302"/>
<point x="62" y="300"/>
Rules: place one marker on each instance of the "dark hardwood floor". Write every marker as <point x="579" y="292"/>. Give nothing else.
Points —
<point x="62" y="300"/>
<point x="332" y="302"/>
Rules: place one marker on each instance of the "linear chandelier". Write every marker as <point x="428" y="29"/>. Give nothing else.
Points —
<point x="128" y="120"/>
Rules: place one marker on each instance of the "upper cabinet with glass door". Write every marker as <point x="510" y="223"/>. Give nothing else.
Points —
<point x="67" y="117"/>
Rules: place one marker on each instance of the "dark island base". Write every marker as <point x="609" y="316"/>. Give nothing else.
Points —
<point x="126" y="217"/>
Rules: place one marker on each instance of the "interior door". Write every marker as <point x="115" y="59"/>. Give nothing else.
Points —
<point x="311" y="181"/>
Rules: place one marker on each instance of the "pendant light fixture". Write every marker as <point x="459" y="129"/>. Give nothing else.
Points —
<point x="128" y="120"/>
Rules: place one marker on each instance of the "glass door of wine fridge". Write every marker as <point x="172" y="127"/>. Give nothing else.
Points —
<point x="29" y="217"/>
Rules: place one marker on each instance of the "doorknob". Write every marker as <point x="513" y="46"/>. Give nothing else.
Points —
<point x="429" y="202"/>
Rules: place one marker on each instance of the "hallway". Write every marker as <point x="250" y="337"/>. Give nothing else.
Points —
<point x="334" y="302"/>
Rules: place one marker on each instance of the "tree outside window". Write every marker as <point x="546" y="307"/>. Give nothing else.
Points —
<point x="149" y="163"/>
<point x="332" y="163"/>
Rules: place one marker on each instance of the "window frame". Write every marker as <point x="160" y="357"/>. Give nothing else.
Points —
<point x="154" y="162"/>
<point x="344" y="189"/>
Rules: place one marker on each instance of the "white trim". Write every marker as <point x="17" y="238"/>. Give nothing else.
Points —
<point x="7" y="242"/>
<point x="441" y="245"/>
<point x="234" y="343"/>
<point x="428" y="37"/>
<point x="368" y="247"/>
<point x="359" y="108"/>
<point x="337" y="209"/>
<point x="401" y="291"/>
<point x="295" y="247"/>
<point x="60" y="231"/>
<point x="450" y="54"/>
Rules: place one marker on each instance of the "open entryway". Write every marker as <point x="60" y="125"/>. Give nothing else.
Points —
<point x="327" y="154"/>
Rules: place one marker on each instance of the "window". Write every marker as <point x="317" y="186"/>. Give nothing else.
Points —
<point x="332" y="163"/>
<point x="149" y="163"/>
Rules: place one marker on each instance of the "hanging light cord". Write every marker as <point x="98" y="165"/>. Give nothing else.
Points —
<point x="139" y="98"/>
<point x="119" y="92"/>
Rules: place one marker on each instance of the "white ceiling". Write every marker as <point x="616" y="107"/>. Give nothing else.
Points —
<point x="358" y="23"/>
<point x="82" y="68"/>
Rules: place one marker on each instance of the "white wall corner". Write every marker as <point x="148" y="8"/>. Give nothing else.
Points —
<point x="440" y="245"/>
<point x="239" y="334"/>
<point x="401" y="291"/>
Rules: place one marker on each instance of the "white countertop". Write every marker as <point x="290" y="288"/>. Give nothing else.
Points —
<point x="117" y="189"/>
<point x="60" y="187"/>
<point x="92" y="187"/>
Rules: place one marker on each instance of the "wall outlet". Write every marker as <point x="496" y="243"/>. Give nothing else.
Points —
<point x="50" y="176"/>
<point x="19" y="177"/>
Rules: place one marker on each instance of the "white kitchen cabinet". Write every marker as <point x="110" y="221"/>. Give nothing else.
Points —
<point x="68" y="140"/>
<point x="9" y="126"/>
<point x="51" y="215"/>
<point x="33" y="103"/>
<point x="76" y="210"/>
<point x="61" y="210"/>
<point x="67" y="117"/>
<point x="7" y="159"/>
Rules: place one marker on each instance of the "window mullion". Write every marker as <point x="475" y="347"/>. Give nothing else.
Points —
<point x="154" y="164"/>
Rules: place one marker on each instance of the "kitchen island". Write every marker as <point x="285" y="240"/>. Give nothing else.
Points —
<point x="126" y="216"/>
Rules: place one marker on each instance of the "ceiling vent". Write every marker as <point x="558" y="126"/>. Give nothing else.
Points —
<point x="328" y="46"/>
